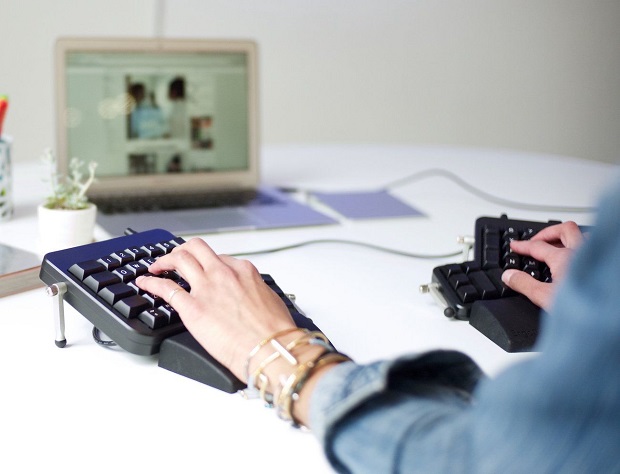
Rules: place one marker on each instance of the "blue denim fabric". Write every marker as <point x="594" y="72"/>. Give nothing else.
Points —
<point x="558" y="412"/>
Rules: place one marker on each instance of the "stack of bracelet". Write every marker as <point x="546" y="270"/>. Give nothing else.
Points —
<point x="283" y="399"/>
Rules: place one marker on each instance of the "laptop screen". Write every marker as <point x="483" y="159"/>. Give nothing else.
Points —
<point x="158" y="112"/>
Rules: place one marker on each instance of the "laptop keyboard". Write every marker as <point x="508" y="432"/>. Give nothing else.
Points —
<point x="100" y="284"/>
<point x="119" y="204"/>
<point x="473" y="291"/>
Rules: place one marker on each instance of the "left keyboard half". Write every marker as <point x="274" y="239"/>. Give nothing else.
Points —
<point x="100" y="284"/>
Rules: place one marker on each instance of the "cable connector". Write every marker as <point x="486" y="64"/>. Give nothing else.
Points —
<point x="467" y="241"/>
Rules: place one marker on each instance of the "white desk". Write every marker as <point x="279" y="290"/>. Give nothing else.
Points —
<point x="89" y="409"/>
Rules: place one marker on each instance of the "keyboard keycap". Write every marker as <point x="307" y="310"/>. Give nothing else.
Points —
<point x="173" y="315"/>
<point x="153" y="250"/>
<point x="97" y="281"/>
<point x="109" y="262"/>
<point x="132" y="306"/>
<point x="468" y="293"/>
<point x="485" y="287"/>
<point x="125" y="274"/>
<point x="114" y="293"/>
<point x="490" y="258"/>
<point x="458" y="280"/>
<point x="83" y="269"/>
<point x="449" y="270"/>
<point x="512" y="260"/>
<point x="137" y="252"/>
<point x="153" y="318"/>
<point x="123" y="256"/>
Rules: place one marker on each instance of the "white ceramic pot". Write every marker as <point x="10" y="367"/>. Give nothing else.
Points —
<point x="61" y="228"/>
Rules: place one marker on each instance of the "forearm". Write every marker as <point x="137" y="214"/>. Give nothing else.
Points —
<point x="364" y="416"/>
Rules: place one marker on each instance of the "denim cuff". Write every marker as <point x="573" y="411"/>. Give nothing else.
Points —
<point x="347" y="386"/>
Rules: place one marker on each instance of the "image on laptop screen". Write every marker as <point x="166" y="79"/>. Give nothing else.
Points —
<point x="143" y="109"/>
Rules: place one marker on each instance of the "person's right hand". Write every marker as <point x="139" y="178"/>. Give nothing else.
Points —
<point x="554" y="245"/>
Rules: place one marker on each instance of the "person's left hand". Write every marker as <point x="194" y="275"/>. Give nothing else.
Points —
<point x="229" y="308"/>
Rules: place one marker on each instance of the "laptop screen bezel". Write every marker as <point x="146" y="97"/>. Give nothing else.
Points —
<point x="166" y="182"/>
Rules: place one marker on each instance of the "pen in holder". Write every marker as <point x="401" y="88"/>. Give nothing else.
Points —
<point x="6" y="185"/>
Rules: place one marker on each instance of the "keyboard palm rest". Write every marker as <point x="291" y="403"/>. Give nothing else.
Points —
<point x="183" y="355"/>
<point x="511" y="323"/>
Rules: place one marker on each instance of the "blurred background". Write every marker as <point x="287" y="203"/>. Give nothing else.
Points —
<point x="530" y="75"/>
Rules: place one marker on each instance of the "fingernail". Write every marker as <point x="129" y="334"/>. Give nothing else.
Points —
<point x="507" y="275"/>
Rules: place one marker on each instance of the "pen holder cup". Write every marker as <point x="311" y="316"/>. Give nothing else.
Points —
<point x="6" y="179"/>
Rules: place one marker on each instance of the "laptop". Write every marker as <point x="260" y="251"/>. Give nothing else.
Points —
<point x="173" y="126"/>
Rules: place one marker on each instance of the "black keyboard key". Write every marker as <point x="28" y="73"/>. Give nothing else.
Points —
<point x="449" y="270"/>
<point x="137" y="289"/>
<point x="132" y="306"/>
<point x="166" y="246"/>
<point x="533" y="272"/>
<point x="83" y="269"/>
<point x="123" y="256"/>
<point x="485" y="287"/>
<point x="177" y="241"/>
<point x="153" y="250"/>
<point x="137" y="268"/>
<point x="137" y="252"/>
<point x="97" y="281"/>
<point x="153" y="318"/>
<point x="468" y="293"/>
<point x="111" y="294"/>
<point x="509" y="235"/>
<point x="173" y="315"/>
<point x="458" y="280"/>
<point x="512" y="260"/>
<point x="532" y="267"/>
<point x="471" y="266"/>
<point x="491" y="238"/>
<point x="154" y="300"/>
<point x="125" y="274"/>
<point x="528" y="233"/>
<point x="490" y="258"/>
<point x="148" y="261"/>
<point x="110" y="262"/>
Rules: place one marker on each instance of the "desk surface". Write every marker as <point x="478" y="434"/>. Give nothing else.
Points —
<point x="86" y="408"/>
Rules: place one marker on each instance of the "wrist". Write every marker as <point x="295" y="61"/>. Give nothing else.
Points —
<point x="284" y="368"/>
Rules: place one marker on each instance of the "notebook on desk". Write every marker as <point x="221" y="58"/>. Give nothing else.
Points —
<point x="173" y="126"/>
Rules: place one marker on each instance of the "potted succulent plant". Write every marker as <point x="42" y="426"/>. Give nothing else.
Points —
<point x="66" y="218"/>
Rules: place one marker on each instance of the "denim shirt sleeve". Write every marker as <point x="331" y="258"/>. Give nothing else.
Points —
<point x="365" y="404"/>
<point x="436" y="412"/>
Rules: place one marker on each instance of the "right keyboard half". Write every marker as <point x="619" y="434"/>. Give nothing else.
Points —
<point x="473" y="290"/>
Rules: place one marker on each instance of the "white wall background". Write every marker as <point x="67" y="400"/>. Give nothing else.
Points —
<point x="534" y="75"/>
